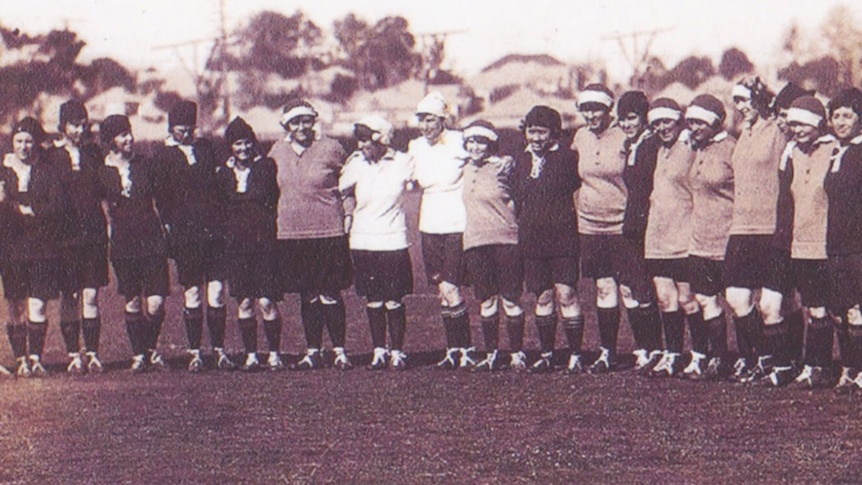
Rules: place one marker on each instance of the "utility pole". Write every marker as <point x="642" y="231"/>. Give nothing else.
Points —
<point x="636" y="56"/>
<point x="433" y="52"/>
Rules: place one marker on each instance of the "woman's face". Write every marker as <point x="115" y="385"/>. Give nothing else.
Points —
<point x="431" y="126"/>
<point x="301" y="129"/>
<point x="371" y="150"/>
<point x="845" y="123"/>
<point x="538" y="138"/>
<point x="23" y="144"/>
<point x="745" y="109"/>
<point x="781" y="120"/>
<point x="243" y="150"/>
<point x="123" y="143"/>
<point x="804" y="133"/>
<point x="478" y="147"/>
<point x="632" y="125"/>
<point x="74" y="131"/>
<point x="183" y="134"/>
<point x="667" y="130"/>
<point x="597" y="118"/>
<point x="701" y="131"/>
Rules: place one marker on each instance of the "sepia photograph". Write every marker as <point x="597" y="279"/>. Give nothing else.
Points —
<point x="378" y="241"/>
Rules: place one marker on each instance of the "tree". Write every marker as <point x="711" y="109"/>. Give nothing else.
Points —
<point x="274" y="43"/>
<point x="691" y="71"/>
<point x="820" y="74"/>
<point x="733" y="63"/>
<point x="381" y="55"/>
<point x="845" y="43"/>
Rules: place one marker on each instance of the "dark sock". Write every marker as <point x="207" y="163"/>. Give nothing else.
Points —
<point x="135" y="330"/>
<point x="636" y="321"/>
<point x="217" y="321"/>
<point x="699" y="335"/>
<point x="397" y="319"/>
<point x="272" y="329"/>
<point x="609" y="327"/>
<point x="515" y="327"/>
<point x="17" y="338"/>
<point x="854" y="346"/>
<point x="248" y="331"/>
<point x="778" y="343"/>
<point x="574" y="329"/>
<point x="36" y="336"/>
<point x="674" y="330"/>
<point x="377" y="323"/>
<point x="71" y="335"/>
<point x="547" y="326"/>
<point x="646" y="327"/>
<point x="153" y="328"/>
<point x="717" y="330"/>
<point x="194" y="319"/>
<point x="841" y="331"/>
<point x="796" y="328"/>
<point x="335" y="319"/>
<point x="461" y="323"/>
<point x="449" y="327"/>
<point x="743" y="326"/>
<point x="491" y="332"/>
<point x="818" y="348"/>
<point x="312" y="323"/>
<point x="92" y="329"/>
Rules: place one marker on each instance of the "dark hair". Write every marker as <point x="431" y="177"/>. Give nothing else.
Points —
<point x="545" y="117"/>
<point x="761" y="96"/>
<point x="493" y="146"/>
<point x="847" y="98"/>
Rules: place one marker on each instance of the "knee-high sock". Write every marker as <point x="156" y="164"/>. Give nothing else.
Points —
<point x="716" y="328"/>
<point x="796" y="326"/>
<point x="217" y="321"/>
<point x="71" y="332"/>
<point x="153" y="328"/>
<point x="397" y="320"/>
<point x="818" y="346"/>
<point x="699" y="334"/>
<point x="135" y="330"/>
<point x="312" y="323"/>
<point x="461" y="324"/>
<point x="248" y="332"/>
<point x="335" y="319"/>
<point x="854" y="346"/>
<point x="547" y="327"/>
<point x="778" y="343"/>
<point x="573" y="327"/>
<point x="272" y="330"/>
<point x="491" y="332"/>
<point x="747" y="328"/>
<point x="449" y="327"/>
<point x="194" y="319"/>
<point x="17" y="333"/>
<point x="377" y="324"/>
<point x="646" y="327"/>
<point x="842" y="332"/>
<point x="609" y="327"/>
<point x="674" y="330"/>
<point x="515" y="328"/>
<point x="36" y="332"/>
<point x="92" y="329"/>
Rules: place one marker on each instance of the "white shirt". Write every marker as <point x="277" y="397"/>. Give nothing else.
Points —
<point x="22" y="171"/>
<point x="439" y="170"/>
<point x="240" y="174"/>
<point x="379" y="223"/>
<point x="73" y="151"/>
<point x="124" y="168"/>
<point x="186" y="149"/>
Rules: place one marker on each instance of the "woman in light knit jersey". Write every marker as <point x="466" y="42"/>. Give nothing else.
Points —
<point x="752" y="262"/>
<point x="439" y="160"/>
<point x="844" y="233"/>
<point x="801" y="229"/>
<point x="376" y="177"/>
<point x="602" y="201"/>
<point x="544" y="182"/>
<point x="312" y="250"/>
<point x="668" y="233"/>
<point x="491" y="245"/>
<point x="711" y="181"/>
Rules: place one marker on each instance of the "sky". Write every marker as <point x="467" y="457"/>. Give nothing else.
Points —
<point x="135" y="31"/>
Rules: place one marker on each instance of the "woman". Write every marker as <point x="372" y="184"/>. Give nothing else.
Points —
<point x="84" y="235"/>
<point x="313" y="257"/>
<point x="801" y="229"/>
<point x="844" y="233"/>
<point x="668" y="235"/>
<point x="30" y="262"/>
<point x="376" y="177"/>
<point x="194" y="222"/>
<point x="641" y="150"/>
<point x="544" y="182"/>
<point x="491" y="250"/>
<point x="249" y="192"/>
<point x="439" y="160"/>
<point x="711" y="180"/>
<point x="752" y="263"/>
<point x="137" y="244"/>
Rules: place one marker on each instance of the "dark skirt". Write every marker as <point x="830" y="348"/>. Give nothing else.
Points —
<point x="319" y="265"/>
<point x="383" y="275"/>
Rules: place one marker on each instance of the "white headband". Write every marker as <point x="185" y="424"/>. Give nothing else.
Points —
<point x="698" y="113"/>
<point x="297" y="111"/>
<point x="599" y="97"/>
<point x="480" y="131"/>
<point x="663" y="113"/>
<point x="740" y="91"/>
<point x="799" y="115"/>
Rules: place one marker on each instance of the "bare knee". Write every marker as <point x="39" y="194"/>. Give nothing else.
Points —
<point x="215" y="294"/>
<point x="155" y="303"/>
<point x="740" y="300"/>
<point x="629" y="300"/>
<point x="133" y="305"/>
<point x="770" y="305"/>
<point x="567" y="297"/>
<point x="90" y="303"/>
<point x="192" y="297"/>
<point x="512" y="308"/>
<point x="606" y="293"/>
<point x="36" y="310"/>
<point x="709" y="305"/>
<point x="666" y="294"/>
<point x="245" y="308"/>
<point x="268" y="309"/>
<point x="488" y="308"/>
<point x="545" y="303"/>
<point x="450" y="295"/>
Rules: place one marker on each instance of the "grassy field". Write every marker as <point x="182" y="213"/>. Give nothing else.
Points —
<point x="420" y="426"/>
